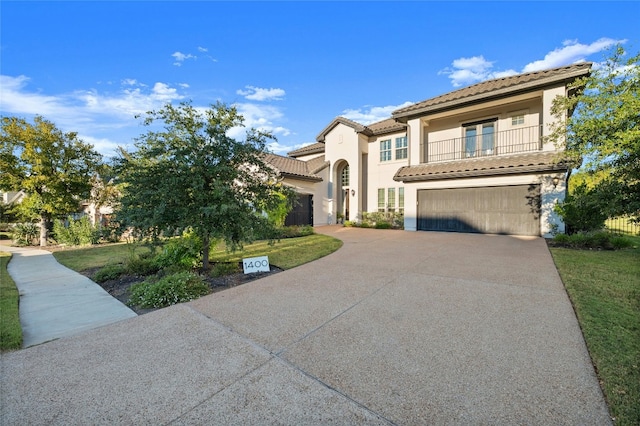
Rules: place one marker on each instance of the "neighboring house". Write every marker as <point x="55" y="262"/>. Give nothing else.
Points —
<point x="472" y="160"/>
<point x="12" y="197"/>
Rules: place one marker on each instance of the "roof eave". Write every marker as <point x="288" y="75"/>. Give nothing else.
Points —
<point x="402" y="116"/>
<point x="499" y="171"/>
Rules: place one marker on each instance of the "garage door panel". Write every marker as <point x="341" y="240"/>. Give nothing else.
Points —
<point x="503" y="210"/>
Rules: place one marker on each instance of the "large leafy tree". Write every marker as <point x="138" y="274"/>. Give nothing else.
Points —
<point x="52" y="167"/>
<point x="604" y="131"/>
<point x="192" y="174"/>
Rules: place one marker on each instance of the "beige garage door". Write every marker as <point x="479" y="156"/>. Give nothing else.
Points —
<point x="512" y="210"/>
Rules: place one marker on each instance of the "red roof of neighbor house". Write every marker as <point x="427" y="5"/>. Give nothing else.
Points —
<point x="495" y="88"/>
<point x="485" y="166"/>
<point x="292" y="167"/>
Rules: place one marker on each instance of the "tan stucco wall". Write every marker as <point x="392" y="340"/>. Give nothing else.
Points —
<point x="380" y="173"/>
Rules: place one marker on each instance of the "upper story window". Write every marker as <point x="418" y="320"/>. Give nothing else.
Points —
<point x="385" y="150"/>
<point x="517" y="120"/>
<point x="401" y="148"/>
<point x="479" y="138"/>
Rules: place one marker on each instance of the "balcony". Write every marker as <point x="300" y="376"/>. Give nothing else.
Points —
<point x="524" y="139"/>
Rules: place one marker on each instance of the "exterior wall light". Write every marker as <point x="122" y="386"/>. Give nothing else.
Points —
<point x="353" y="192"/>
<point x="556" y="181"/>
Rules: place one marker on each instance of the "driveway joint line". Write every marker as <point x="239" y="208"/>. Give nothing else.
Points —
<point x="335" y="317"/>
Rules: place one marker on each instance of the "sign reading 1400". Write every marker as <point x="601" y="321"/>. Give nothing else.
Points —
<point x="255" y="264"/>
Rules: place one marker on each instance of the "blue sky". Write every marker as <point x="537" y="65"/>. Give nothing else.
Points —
<point x="289" y="67"/>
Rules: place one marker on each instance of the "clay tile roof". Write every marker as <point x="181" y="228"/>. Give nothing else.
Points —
<point x="386" y="126"/>
<point x="485" y="166"/>
<point x="496" y="88"/>
<point x="341" y="120"/>
<point x="317" y="164"/>
<point x="292" y="167"/>
<point x="314" y="148"/>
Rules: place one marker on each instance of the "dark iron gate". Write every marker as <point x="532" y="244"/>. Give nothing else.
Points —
<point x="302" y="212"/>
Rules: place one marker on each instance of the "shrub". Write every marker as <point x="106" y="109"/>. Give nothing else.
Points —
<point x="24" y="234"/>
<point x="108" y="272"/>
<point x="183" y="252"/>
<point x="77" y="233"/>
<point x="582" y="210"/>
<point x="592" y="240"/>
<point x="141" y="265"/>
<point x="294" y="231"/>
<point x="224" y="268"/>
<point x="382" y="220"/>
<point x="383" y="225"/>
<point x="176" y="288"/>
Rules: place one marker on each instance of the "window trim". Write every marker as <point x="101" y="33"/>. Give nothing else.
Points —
<point x="386" y="152"/>
<point x="403" y="148"/>
<point x="480" y="150"/>
<point x="381" y="200"/>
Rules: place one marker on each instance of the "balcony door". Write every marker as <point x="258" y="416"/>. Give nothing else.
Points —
<point x="479" y="139"/>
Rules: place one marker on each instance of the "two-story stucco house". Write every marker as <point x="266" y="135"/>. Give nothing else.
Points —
<point x="472" y="160"/>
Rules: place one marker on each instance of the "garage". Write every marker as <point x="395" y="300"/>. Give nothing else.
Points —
<point x="511" y="210"/>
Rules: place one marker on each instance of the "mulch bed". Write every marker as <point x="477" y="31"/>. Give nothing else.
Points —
<point x="119" y="288"/>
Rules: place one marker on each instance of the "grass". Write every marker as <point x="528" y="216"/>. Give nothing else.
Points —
<point x="83" y="258"/>
<point x="604" y="287"/>
<point x="285" y="254"/>
<point x="10" y="330"/>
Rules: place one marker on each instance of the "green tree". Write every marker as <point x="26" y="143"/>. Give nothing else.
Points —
<point x="604" y="130"/>
<point x="193" y="175"/>
<point x="52" y="167"/>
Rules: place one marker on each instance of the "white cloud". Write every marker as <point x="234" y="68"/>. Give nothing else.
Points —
<point x="91" y="113"/>
<point x="369" y="114"/>
<point x="572" y="52"/>
<point x="259" y="94"/>
<point x="278" y="148"/>
<point x="466" y="71"/>
<point x="181" y="57"/>
<point x="261" y="117"/>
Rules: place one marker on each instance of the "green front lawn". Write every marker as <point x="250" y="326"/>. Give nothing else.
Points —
<point x="285" y="254"/>
<point x="604" y="287"/>
<point x="10" y="330"/>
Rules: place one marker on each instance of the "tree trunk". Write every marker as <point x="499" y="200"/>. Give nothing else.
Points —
<point x="44" y="230"/>
<point x="205" y="253"/>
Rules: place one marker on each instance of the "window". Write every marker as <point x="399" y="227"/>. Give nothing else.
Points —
<point x="345" y="176"/>
<point x="391" y="199"/>
<point x="517" y="120"/>
<point x="381" y="204"/>
<point x="401" y="148"/>
<point x="385" y="150"/>
<point x="401" y="200"/>
<point x="479" y="139"/>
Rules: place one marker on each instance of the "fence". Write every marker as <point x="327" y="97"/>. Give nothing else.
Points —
<point x="623" y="225"/>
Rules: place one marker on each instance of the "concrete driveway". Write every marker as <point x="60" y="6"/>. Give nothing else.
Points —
<point x="394" y="328"/>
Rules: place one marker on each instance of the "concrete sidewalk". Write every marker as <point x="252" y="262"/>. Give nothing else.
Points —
<point x="56" y="301"/>
<point x="394" y="328"/>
